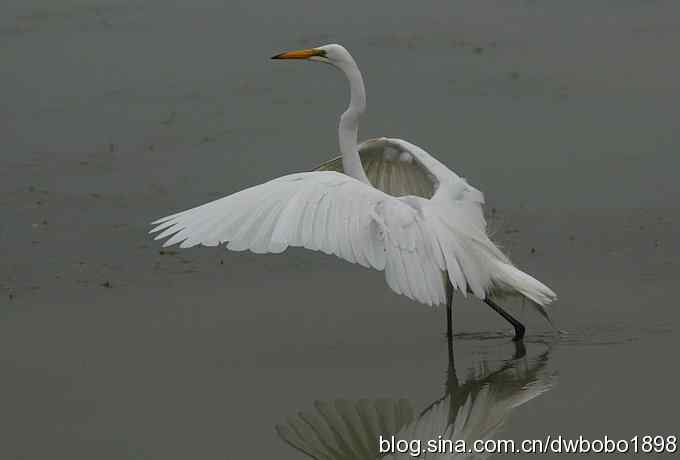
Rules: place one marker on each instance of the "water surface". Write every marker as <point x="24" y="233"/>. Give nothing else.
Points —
<point x="115" y="113"/>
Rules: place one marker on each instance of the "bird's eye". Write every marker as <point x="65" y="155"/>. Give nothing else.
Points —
<point x="322" y="53"/>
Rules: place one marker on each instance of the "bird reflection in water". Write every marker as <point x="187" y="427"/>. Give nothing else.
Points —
<point x="474" y="408"/>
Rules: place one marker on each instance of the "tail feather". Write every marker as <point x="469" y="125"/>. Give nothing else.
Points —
<point x="510" y="279"/>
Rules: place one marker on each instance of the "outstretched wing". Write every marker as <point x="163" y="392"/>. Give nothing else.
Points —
<point x="324" y="211"/>
<point x="400" y="168"/>
<point x="390" y="169"/>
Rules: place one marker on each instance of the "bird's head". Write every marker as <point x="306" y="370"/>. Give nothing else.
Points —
<point x="333" y="54"/>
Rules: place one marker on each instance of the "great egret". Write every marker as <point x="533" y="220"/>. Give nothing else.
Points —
<point x="385" y="204"/>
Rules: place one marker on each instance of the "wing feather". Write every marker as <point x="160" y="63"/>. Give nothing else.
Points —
<point x="324" y="211"/>
<point x="413" y="239"/>
<point x="396" y="167"/>
<point x="400" y="168"/>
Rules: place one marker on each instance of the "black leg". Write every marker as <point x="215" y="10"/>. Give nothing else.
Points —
<point x="520" y="350"/>
<point x="519" y="328"/>
<point x="449" y="303"/>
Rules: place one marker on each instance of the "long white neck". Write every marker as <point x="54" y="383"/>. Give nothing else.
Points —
<point x="349" y="123"/>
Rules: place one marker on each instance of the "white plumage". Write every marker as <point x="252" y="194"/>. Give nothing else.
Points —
<point x="385" y="204"/>
<point x="413" y="239"/>
<point x="333" y="213"/>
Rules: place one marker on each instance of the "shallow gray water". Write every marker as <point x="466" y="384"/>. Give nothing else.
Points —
<point x="116" y="113"/>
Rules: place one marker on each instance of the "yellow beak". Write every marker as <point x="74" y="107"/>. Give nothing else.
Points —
<point x="300" y="54"/>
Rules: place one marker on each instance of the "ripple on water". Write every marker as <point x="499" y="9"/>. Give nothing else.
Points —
<point x="586" y="335"/>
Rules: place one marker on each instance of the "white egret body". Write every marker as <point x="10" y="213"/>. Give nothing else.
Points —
<point x="385" y="204"/>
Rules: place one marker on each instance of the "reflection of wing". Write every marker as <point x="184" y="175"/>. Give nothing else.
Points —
<point x="436" y="423"/>
<point x="475" y="410"/>
<point x="479" y="408"/>
<point x="344" y="430"/>
<point x="478" y="416"/>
